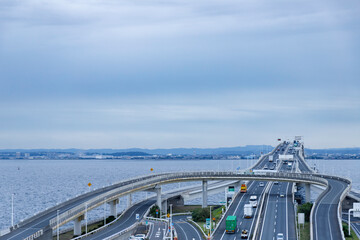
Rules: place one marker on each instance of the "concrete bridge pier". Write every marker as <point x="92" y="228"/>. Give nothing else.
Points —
<point x="164" y="205"/>
<point x="307" y="192"/>
<point x="204" y="193"/>
<point x="77" y="225"/>
<point x="113" y="209"/>
<point x="129" y="200"/>
<point x="158" y="198"/>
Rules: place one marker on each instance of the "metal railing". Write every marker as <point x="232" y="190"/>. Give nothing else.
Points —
<point x="153" y="180"/>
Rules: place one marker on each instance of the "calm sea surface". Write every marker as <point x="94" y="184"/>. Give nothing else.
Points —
<point x="39" y="184"/>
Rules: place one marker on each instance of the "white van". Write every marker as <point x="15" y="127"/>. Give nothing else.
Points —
<point x="253" y="201"/>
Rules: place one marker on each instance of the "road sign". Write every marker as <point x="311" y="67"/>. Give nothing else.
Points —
<point x="356" y="207"/>
<point x="208" y="223"/>
<point x="168" y="215"/>
<point x="231" y="189"/>
<point x="146" y="222"/>
<point x="137" y="216"/>
<point x="301" y="218"/>
<point x="89" y="184"/>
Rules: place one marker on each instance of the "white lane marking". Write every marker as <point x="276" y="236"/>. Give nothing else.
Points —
<point x="195" y="230"/>
<point x="181" y="230"/>
<point x="267" y="204"/>
<point x="329" y="222"/>
<point x="151" y="229"/>
<point x="222" y="235"/>
<point x="286" y="212"/>
<point x="316" y="232"/>
<point x="255" y="213"/>
<point x="250" y="185"/>
<point x="130" y="217"/>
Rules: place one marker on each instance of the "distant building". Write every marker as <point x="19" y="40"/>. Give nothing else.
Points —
<point x="18" y="155"/>
<point x="27" y="155"/>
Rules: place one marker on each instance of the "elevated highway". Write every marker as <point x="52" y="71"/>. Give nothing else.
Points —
<point x="325" y="216"/>
<point x="326" y="205"/>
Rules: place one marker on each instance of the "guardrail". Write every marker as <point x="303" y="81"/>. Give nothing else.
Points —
<point x="343" y="195"/>
<point x="198" y="226"/>
<point x="141" y="184"/>
<point x="132" y="227"/>
<point x="226" y="210"/>
<point x="263" y="198"/>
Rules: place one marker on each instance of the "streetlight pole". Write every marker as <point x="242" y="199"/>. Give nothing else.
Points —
<point x="349" y="220"/>
<point x="210" y="221"/>
<point x="171" y="232"/>
<point x="12" y="210"/>
<point x="85" y="218"/>
<point x="57" y="229"/>
<point x="104" y="211"/>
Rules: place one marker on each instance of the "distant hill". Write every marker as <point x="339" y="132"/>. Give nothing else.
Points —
<point x="333" y="151"/>
<point x="249" y="149"/>
<point x="245" y="150"/>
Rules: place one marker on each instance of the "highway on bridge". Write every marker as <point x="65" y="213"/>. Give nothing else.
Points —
<point x="279" y="216"/>
<point x="326" y="205"/>
<point x="185" y="230"/>
<point x="237" y="206"/>
<point x="325" y="216"/>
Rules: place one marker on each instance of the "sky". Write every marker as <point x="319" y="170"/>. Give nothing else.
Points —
<point x="178" y="73"/>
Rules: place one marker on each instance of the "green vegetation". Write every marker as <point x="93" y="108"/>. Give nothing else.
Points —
<point x="305" y="231"/>
<point x="200" y="214"/>
<point x="183" y="209"/>
<point x="352" y="235"/>
<point x="305" y="208"/>
<point x="153" y="211"/>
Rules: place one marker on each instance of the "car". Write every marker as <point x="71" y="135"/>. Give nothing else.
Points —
<point x="280" y="236"/>
<point x="276" y="183"/>
<point x="261" y="184"/>
<point x="272" y="167"/>
<point x="265" y="167"/>
<point x="282" y="194"/>
<point x="138" y="237"/>
<point x="244" y="234"/>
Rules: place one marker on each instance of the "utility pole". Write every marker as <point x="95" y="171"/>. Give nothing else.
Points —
<point x="171" y="224"/>
<point x="12" y="210"/>
<point x="104" y="211"/>
<point x="210" y="221"/>
<point x="86" y="218"/>
<point x="57" y="219"/>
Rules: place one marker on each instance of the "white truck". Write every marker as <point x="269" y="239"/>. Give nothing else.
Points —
<point x="248" y="211"/>
<point x="271" y="158"/>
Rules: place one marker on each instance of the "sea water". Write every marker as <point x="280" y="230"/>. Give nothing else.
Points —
<point x="38" y="184"/>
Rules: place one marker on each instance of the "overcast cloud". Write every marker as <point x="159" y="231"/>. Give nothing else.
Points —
<point x="118" y="74"/>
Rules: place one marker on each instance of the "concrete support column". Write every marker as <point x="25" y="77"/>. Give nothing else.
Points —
<point x="164" y="206"/>
<point x="129" y="201"/>
<point x="158" y="198"/>
<point x="307" y="192"/>
<point x="77" y="225"/>
<point x="113" y="210"/>
<point x="204" y="193"/>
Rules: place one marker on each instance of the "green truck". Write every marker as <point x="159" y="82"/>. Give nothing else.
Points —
<point x="231" y="223"/>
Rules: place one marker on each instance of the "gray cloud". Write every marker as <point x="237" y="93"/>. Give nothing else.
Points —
<point x="178" y="73"/>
